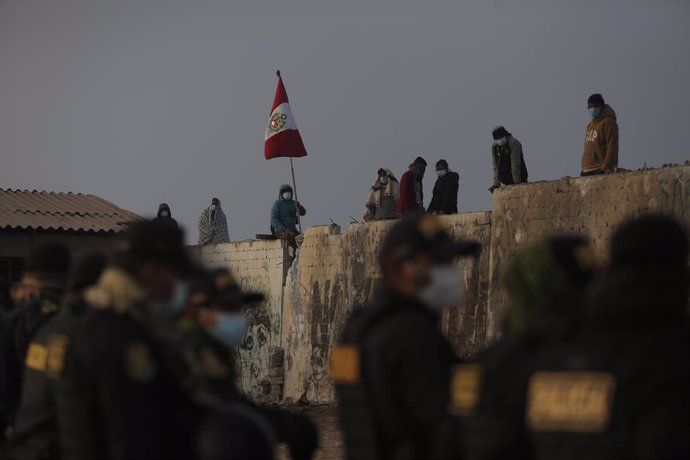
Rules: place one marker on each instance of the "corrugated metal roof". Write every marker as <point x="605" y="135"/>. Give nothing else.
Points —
<point x="34" y="210"/>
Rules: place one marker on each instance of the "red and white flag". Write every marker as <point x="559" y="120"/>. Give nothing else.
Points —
<point x="282" y="136"/>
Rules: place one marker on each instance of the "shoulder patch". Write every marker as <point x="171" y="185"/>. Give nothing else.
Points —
<point x="139" y="362"/>
<point x="36" y="357"/>
<point x="57" y="352"/>
<point x="570" y="401"/>
<point x="213" y="366"/>
<point x="465" y="388"/>
<point x="345" y="364"/>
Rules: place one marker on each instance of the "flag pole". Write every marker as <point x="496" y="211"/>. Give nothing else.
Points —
<point x="294" y="187"/>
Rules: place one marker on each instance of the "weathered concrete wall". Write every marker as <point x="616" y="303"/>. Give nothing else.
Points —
<point x="258" y="266"/>
<point x="593" y="206"/>
<point x="305" y="312"/>
<point x="334" y="273"/>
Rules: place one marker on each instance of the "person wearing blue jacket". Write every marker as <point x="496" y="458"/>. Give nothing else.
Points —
<point x="284" y="216"/>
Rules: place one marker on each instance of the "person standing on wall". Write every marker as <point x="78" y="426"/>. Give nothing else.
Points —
<point x="164" y="215"/>
<point x="411" y="199"/>
<point x="213" y="226"/>
<point x="509" y="162"/>
<point x="600" y="154"/>
<point x="382" y="197"/>
<point x="445" y="198"/>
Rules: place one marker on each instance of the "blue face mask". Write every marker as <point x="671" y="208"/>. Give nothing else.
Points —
<point x="595" y="112"/>
<point x="230" y="328"/>
<point x="178" y="300"/>
<point x="441" y="173"/>
<point x="502" y="141"/>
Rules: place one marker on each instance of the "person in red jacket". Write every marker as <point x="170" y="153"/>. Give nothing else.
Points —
<point x="411" y="198"/>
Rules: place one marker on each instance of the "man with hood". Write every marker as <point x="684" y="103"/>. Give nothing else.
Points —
<point x="284" y="215"/>
<point x="213" y="226"/>
<point x="600" y="154"/>
<point x="445" y="198"/>
<point x="411" y="199"/>
<point x="508" y="160"/>
<point x="383" y="197"/>
<point x="392" y="367"/>
<point x="620" y="389"/>
<point x="164" y="215"/>
<point x="546" y="285"/>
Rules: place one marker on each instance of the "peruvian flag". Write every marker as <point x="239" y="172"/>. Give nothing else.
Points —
<point x="282" y="137"/>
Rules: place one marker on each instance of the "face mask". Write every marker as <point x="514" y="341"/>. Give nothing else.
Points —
<point x="595" y="112"/>
<point x="164" y="213"/>
<point x="440" y="174"/>
<point x="178" y="300"/>
<point x="230" y="328"/>
<point x="213" y="207"/>
<point x="287" y="195"/>
<point x="446" y="288"/>
<point x="502" y="141"/>
<point x="383" y="180"/>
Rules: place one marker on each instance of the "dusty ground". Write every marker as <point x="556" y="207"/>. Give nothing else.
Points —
<point x="331" y="438"/>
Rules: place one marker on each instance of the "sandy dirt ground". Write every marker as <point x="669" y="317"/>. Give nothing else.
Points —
<point x="331" y="439"/>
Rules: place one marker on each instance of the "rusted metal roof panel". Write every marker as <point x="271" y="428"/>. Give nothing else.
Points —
<point x="34" y="210"/>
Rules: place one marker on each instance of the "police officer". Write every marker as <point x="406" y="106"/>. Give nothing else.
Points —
<point x="116" y="398"/>
<point x="37" y="297"/>
<point x="620" y="389"/>
<point x="547" y="285"/>
<point x="35" y="427"/>
<point x="392" y="369"/>
<point x="211" y="327"/>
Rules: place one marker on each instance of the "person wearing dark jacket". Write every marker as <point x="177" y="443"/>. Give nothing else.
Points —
<point x="411" y="198"/>
<point x="35" y="435"/>
<point x="284" y="217"/>
<point x="508" y="159"/>
<point x="392" y="368"/>
<point x="546" y="284"/>
<point x="164" y="215"/>
<point x="37" y="298"/>
<point x="600" y="155"/>
<point x="445" y="197"/>
<point x="619" y="389"/>
<point x="116" y="397"/>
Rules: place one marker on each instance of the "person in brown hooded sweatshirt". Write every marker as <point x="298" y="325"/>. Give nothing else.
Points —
<point x="601" y="138"/>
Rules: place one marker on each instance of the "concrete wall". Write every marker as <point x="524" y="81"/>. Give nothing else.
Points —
<point x="257" y="266"/>
<point x="333" y="272"/>
<point x="593" y="206"/>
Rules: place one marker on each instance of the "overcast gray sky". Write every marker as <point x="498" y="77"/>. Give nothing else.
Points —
<point x="143" y="102"/>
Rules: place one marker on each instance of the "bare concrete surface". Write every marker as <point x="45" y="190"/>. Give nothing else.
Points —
<point x="330" y="436"/>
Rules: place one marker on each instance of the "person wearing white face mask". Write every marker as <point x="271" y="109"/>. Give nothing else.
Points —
<point x="508" y="159"/>
<point x="164" y="215"/>
<point x="284" y="218"/>
<point x="392" y="368"/>
<point x="445" y="196"/>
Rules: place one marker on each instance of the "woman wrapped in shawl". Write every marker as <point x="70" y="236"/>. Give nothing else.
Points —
<point x="213" y="226"/>
<point x="382" y="197"/>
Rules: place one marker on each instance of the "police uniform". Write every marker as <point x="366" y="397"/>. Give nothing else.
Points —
<point x="392" y="368"/>
<point x="620" y="389"/>
<point x="35" y="434"/>
<point x="210" y="365"/>
<point x="546" y="285"/>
